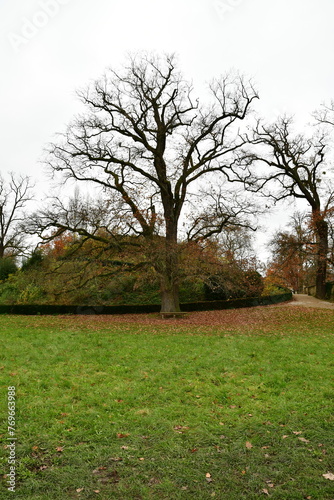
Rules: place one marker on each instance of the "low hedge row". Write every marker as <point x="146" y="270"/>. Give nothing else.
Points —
<point x="34" y="309"/>
<point x="237" y="303"/>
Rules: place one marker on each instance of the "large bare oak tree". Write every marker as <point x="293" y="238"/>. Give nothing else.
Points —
<point x="149" y="147"/>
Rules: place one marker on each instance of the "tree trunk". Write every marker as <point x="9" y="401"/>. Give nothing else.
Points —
<point x="322" y="250"/>
<point x="170" y="275"/>
<point x="170" y="298"/>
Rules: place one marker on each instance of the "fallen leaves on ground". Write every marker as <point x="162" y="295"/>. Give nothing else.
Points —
<point x="329" y="476"/>
<point x="256" y="320"/>
<point x="180" y="428"/>
<point x="303" y="440"/>
<point x="270" y="484"/>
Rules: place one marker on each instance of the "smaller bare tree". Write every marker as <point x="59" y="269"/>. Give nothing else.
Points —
<point x="298" y="166"/>
<point x="15" y="193"/>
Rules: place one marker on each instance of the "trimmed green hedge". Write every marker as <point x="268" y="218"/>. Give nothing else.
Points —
<point x="237" y="303"/>
<point x="34" y="309"/>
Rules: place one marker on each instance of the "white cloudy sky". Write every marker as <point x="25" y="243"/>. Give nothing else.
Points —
<point x="49" y="48"/>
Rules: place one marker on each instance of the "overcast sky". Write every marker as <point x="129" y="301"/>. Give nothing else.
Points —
<point x="50" y="48"/>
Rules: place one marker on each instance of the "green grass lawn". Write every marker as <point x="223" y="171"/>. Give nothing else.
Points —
<point x="227" y="405"/>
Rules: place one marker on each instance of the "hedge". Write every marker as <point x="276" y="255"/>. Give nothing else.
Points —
<point x="43" y="309"/>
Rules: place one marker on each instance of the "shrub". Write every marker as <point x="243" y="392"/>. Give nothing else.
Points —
<point x="253" y="283"/>
<point x="33" y="261"/>
<point x="30" y="295"/>
<point x="7" y="267"/>
<point x="233" y="283"/>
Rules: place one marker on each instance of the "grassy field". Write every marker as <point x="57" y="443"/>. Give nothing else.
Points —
<point x="227" y="405"/>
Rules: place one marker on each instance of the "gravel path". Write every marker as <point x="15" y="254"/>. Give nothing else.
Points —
<point x="299" y="299"/>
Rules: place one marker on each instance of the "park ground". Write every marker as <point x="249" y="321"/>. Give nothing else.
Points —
<point x="231" y="405"/>
<point x="309" y="301"/>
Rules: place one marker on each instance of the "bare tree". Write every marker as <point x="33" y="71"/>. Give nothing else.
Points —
<point x="294" y="253"/>
<point x="144" y="141"/>
<point x="297" y="165"/>
<point x="325" y="115"/>
<point x="14" y="196"/>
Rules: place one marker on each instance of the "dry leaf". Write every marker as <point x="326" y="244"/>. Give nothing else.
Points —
<point x="180" y="428"/>
<point x="59" y="449"/>
<point x="96" y="471"/>
<point x="329" y="476"/>
<point x="120" y="435"/>
<point x="249" y="445"/>
<point x="265" y="491"/>
<point x="304" y="440"/>
<point x="297" y="432"/>
<point x="208" y="474"/>
<point x="79" y="490"/>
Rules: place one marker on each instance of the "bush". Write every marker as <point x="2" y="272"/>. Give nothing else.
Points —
<point x="33" y="261"/>
<point x="191" y="290"/>
<point x="30" y="295"/>
<point x="271" y="289"/>
<point x="233" y="283"/>
<point x="253" y="283"/>
<point x="7" y="267"/>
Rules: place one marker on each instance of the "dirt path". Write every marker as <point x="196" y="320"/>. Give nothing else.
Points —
<point x="299" y="299"/>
